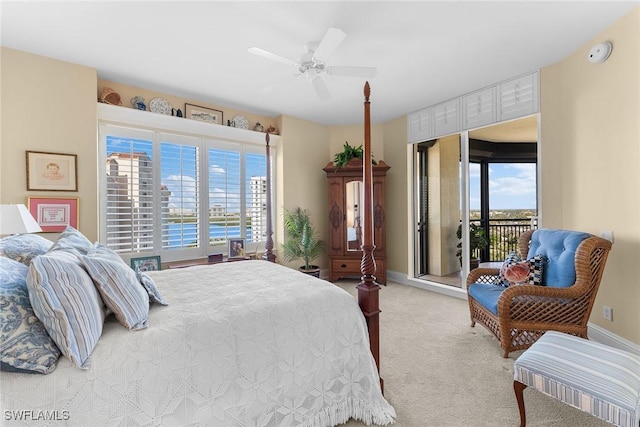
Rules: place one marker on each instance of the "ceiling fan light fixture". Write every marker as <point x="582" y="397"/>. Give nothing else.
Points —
<point x="313" y="63"/>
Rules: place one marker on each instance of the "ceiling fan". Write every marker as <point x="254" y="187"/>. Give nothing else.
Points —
<point x="312" y="64"/>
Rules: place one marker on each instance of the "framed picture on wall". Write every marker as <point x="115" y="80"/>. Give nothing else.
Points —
<point x="53" y="214"/>
<point x="51" y="171"/>
<point x="203" y="114"/>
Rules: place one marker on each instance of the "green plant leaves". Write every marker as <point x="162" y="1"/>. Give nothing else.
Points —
<point x="340" y="160"/>
<point x="303" y="242"/>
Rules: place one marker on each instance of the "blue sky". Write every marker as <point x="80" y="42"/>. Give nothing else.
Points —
<point x="511" y="186"/>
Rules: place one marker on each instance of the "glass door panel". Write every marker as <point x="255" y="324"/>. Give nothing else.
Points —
<point x="438" y="210"/>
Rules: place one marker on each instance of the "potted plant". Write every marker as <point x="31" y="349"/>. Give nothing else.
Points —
<point x="303" y="242"/>
<point x="340" y="160"/>
<point x="477" y="240"/>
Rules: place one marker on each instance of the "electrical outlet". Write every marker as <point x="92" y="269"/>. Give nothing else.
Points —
<point x="607" y="313"/>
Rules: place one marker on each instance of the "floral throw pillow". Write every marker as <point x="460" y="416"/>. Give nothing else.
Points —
<point x="25" y="345"/>
<point x="24" y="247"/>
<point x="516" y="271"/>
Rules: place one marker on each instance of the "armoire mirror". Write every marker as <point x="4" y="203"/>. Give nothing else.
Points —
<point x="353" y="211"/>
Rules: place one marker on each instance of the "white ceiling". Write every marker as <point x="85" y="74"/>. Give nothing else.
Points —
<point x="425" y="51"/>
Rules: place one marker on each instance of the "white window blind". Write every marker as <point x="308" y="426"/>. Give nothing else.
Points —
<point x="129" y="192"/>
<point x="225" y="195"/>
<point x="256" y="189"/>
<point x="181" y="196"/>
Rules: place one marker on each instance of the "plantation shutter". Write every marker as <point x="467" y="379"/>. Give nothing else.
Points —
<point x="256" y="189"/>
<point x="225" y="194"/>
<point x="129" y="191"/>
<point x="180" y="193"/>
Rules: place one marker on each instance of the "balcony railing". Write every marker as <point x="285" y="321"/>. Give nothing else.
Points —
<point x="504" y="235"/>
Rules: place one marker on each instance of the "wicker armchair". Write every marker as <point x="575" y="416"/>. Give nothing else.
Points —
<point x="520" y="314"/>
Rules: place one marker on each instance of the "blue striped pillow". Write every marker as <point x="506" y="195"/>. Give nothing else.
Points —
<point x="64" y="298"/>
<point x="152" y="289"/>
<point x="72" y="239"/>
<point x="120" y="289"/>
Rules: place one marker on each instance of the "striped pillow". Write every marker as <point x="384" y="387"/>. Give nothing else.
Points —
<point x="72" y="239"/>
<point x="152" y="289"/>
<point x="64" y="298"/>
<point x="120" y="290"/>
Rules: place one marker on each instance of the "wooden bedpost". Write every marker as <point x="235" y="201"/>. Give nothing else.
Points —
<point x="368" y="288"/>
<point x="268" y="245"/>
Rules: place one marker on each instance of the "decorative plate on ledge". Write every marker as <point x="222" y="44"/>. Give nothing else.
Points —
<point x="160" y="105"/>
<point x="241" y="122"/>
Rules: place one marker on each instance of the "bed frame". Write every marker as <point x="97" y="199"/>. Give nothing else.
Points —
<point x="367" y="288"/>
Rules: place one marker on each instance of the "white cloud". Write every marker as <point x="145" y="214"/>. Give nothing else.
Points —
<point x="520" y="180"/>
<point x="215" y="169"/>
<point x="184" y="191"/>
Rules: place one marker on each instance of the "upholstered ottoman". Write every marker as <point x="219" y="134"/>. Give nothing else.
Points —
<point x="590" y="376"/>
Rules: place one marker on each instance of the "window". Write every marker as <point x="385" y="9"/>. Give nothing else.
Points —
<point x="177" y="195"/>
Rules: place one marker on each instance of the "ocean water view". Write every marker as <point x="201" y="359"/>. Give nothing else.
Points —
<point x="186" y="234"/>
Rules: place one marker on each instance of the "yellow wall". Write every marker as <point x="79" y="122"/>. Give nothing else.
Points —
<point x="50" y="106"/>
<point x="302" y="182"/>
<point x="591" y="161"/>
<point x="396" y="200"/>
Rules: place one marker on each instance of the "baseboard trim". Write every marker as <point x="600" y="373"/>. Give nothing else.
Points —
<point x="604" y="336"/>
<point x="596" y="333"/>
<point x="403" y="279"/>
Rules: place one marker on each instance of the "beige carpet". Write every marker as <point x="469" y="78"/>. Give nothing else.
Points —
<point x="438" y="371"/>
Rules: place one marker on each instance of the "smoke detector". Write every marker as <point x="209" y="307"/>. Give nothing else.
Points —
<point x="600" y="52"/>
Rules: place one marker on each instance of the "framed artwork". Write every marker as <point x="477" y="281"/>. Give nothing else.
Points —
<point x="53" y="214"/>
<point x="52" y="171"/>
<point x="203" y="114"/>
<point x="236" y="248"/>
<point x="146" y="263"/>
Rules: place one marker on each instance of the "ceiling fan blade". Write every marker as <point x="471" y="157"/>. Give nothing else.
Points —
<point x="321" y="88"/>
<point x="352" y="71"/>
<point x="273" y="86"/>
<point x="272" y="56"/>
<point x="329" y="43"/>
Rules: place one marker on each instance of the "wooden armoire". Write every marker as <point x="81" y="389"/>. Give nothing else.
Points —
<point x="346" y="224"/>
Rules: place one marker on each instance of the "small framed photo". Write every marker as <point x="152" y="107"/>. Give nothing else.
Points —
<point x="146" y="263"/>
<point x="51" y="171"/>
<point x="53" y="214"/>
<point x="236" y="248"/>
<point x="203" y="114"/>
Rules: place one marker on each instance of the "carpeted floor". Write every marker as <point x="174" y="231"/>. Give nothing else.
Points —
<point x="438" y="371"/>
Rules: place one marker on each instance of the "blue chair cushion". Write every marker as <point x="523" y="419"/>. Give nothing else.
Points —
<point x="487" y="295"/>
<point x="559" y="247"/>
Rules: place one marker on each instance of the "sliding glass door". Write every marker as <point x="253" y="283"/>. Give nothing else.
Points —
<point x="482" y="181"/>
<point x="438" y="213"/>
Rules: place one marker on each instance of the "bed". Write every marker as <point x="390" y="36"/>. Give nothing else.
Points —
<point x="296" y="353"/>
<point x="248" y="343"/>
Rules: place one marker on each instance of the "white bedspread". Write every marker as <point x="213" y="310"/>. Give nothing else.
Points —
<point x="246" y="343"/>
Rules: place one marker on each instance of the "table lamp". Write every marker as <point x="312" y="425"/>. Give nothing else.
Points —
<point x="16" y="219"/>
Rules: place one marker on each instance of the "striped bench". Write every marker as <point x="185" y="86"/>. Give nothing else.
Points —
<point x="587" y="375"/>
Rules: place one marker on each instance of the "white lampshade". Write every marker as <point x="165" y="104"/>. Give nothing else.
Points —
<point x="16" y="219"/>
